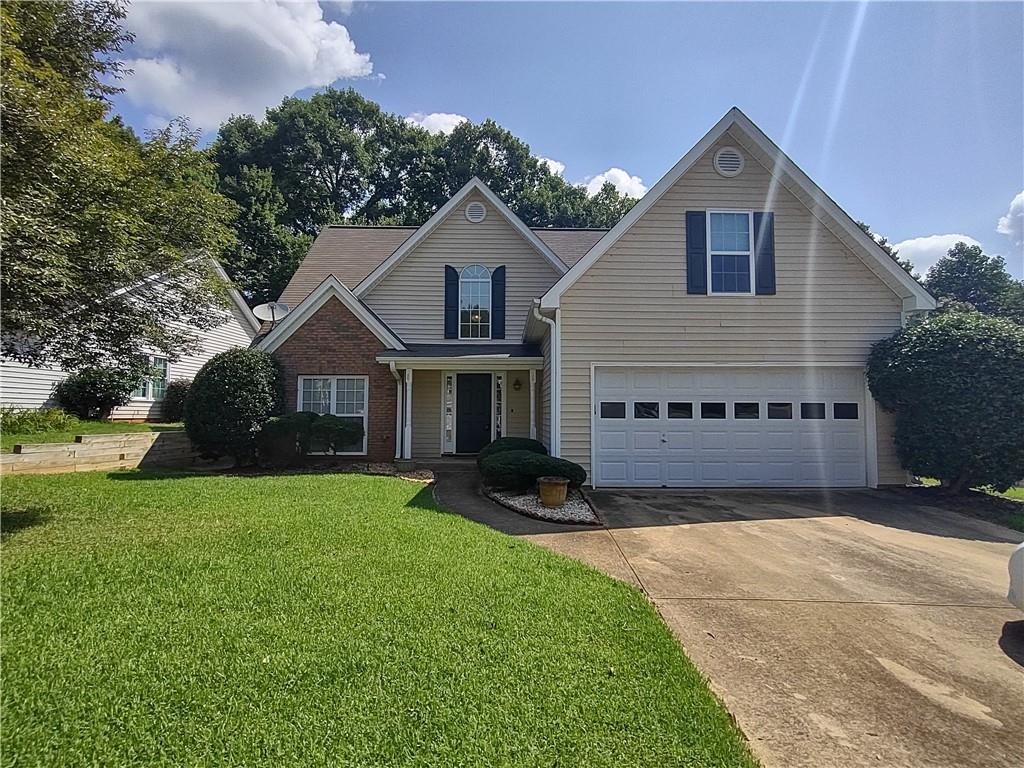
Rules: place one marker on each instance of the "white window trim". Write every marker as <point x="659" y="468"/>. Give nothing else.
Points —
<point x="147" y="382"/>
<point x="490" y="301"/>
<point x="748" y="253"/>
<point x="299" y="406"/>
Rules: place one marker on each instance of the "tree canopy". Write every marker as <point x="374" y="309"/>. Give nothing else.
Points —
<point x="90" y="210"/>
<point x="967" y="275"/>
<point x="885" y="245"/>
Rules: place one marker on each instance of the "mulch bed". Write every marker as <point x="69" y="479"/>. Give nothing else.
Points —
<point x="575" y="511"/>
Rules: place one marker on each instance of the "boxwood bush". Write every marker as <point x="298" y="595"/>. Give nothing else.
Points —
<point x="510" y="444"/>
<point x="173" y="408"/>
<point x="93" y="393"/>
<point x="283" y="441"/>
<point x="519" y="470"/>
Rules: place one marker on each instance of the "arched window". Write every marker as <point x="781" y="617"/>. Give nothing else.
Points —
<point x="475" y="303"/>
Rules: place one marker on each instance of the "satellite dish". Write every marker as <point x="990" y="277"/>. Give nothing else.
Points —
<point x="272" y="311"/>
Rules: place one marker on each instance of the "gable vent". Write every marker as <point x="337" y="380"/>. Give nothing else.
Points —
<point x="728" y="161"/>
<point x="476" y="212"/>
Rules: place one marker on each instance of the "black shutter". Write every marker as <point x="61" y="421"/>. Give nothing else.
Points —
<point x="451" y="303"/>
<point x="696" y="253"/>
<point x="764" y="254"/>
<point x="498" y="303"/>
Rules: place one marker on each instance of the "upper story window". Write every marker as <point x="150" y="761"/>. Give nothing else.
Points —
<point x="730" y="253"/>
<point x="154" y="386"/>
<point x="475" y="303"/>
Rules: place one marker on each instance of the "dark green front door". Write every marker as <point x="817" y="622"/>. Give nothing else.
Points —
<point x="472" y="412"/>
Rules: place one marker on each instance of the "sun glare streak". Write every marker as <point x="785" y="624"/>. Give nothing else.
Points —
<point x="839" y="94"/>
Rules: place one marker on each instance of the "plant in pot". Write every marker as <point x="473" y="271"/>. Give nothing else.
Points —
<point x="552" y="490"/>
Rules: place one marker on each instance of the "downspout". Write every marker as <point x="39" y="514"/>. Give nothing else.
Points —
<point x="556" y="379"/>
<point x="398" y="409"/>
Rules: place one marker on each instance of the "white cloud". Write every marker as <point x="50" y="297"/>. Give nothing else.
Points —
<point x="923" y="252"/>
<point x="553" y="165"/>
<point x="1012" y="224"/>
<point x="436" y="122"/>
<point x="626" y="184"/>
<point x="209" y="60"/>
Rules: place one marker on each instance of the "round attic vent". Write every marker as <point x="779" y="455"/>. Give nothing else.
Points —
<point x="476" y="212"/>
<point x="728" y="161"/>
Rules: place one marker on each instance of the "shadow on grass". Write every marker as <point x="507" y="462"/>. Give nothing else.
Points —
<point x="13" y="521"/>
<point x="424" y="499"/>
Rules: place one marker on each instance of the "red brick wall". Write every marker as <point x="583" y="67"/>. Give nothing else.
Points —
<point x="334" y="342"/>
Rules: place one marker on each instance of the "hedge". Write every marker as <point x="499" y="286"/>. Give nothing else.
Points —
<point x="519" y="470"/>
<point x="510" y="444"/>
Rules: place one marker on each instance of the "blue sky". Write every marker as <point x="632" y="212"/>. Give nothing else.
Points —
<point x="910" y="115"/>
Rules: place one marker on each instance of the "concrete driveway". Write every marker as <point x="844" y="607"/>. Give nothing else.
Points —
<point x="852" y="628"/>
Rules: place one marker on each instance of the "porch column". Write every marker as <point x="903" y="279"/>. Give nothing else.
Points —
<point x="399" y="435"/>
<point x="407" y="433"/>
<point x="533" y="403"/>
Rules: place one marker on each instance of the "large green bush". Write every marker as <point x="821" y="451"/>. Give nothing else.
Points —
<point x="174" y="399"/>
<point x="25" y="421"/>
<point x="93" y="393"/>
<point x="283" y="441"/>
<point x="519" y="470"/>
<point x="335" y="434"/>
<point x="510" y="444"/>
<point x="230" y="399"/>
<point x="955" y="382"/>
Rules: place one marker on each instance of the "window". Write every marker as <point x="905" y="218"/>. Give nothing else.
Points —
<point x="499" y="395"/>
<point x="154" y="386"/>
<point x="645" y="410"/>
<point x="342" y="396"/>
<point x="613" y="410"/>
<point x="712" y="410"/>
<point x="780" y="410"/>
<point x="812" y="410"/>
<point x="475" y="303"/>
<point x="844" y="410"/>
<point x="729" y="251"/>
<point x="680" y="410"/>
<point x="746" y="410"/>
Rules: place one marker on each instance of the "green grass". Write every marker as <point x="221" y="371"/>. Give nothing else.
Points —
<point x="336" y="620"/>
<point x="8" y="441"/>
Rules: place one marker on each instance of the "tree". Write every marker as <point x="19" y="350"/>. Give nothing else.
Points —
<point x="883" y="243"/>
<point x="967" y="274"/>
<point x="102" y="233"/>
<point x="955" y="382"/>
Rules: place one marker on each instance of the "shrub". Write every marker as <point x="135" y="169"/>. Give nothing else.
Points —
<point x="24" y="421"/>
<point x="335" y="434"/>
<point x="277" y="442"/>
<point x="230" y="399"/>
<point x="174" y="399"/>
<point x="283" y="440"/>
<point x="519" y="470"/>
<point x="955" y="383"/>
<point x="510" y="444"/>
<point x="93" y="393"/>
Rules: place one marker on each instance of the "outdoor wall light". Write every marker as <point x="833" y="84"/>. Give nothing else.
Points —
<point x="517" y="385"/>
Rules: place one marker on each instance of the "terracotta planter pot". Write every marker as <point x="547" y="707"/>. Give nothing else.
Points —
<point x="552" y="490"/>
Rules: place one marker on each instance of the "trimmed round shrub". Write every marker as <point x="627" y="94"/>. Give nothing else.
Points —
<point x="277" y="442"/>
<point x="335" y="434"/>
<point x="94" y="393"/>
<point x="230" y="399"/>
<point x="519" y="470"/>
<point x="174" y="399"/>
<point x="955" y="383"/>
<point x="510" y="444"/>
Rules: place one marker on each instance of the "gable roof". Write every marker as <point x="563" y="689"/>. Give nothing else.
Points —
<point x="330" y="288"/>
<point x="473" y="185"/>
<point x="777" y="162"/>
<point x="236" y="299"/>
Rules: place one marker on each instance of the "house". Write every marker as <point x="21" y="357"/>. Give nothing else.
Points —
<point x="715" y="336"/>
<point x="23" y="386"/>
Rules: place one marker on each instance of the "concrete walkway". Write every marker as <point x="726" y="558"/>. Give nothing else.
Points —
<point x="850" y="628"/>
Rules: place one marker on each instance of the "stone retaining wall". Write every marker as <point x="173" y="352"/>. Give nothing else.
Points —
<point x="102" y="452"/>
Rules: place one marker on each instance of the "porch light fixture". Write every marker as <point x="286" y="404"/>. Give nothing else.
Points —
<point x="517" y="385"/>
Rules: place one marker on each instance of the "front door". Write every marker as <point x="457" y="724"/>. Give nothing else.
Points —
<point x="472" y="412"/>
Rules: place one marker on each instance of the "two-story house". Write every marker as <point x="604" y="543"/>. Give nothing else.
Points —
<point x="715" y="337"/>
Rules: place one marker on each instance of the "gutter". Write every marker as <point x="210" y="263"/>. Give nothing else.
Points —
<point x="556" y="378"/>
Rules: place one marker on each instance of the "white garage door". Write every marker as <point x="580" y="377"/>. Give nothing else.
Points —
<point x="723" y="427"/>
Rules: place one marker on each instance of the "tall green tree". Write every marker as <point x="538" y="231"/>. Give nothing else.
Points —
<point x="885" y="245"/>
<point x="104" y="236"/>
<point x="967" y="274"/>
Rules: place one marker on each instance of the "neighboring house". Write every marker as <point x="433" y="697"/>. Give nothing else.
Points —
<point x="22" y="386"/>
<point x="716" y="336"/>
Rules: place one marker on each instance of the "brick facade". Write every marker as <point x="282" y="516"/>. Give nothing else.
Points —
<point x="335" y="342"/>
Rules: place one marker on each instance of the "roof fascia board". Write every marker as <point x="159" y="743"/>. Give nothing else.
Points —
<point x="474" y="184"/>
<point x="236" y="297"/>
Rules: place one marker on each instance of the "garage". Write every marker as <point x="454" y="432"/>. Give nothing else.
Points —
<point x="720" y="427"/>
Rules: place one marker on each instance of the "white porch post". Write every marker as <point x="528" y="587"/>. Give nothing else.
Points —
<point x="407" y="434"/>
<point x="533" y="403"/>
<point x="399" y="436"/>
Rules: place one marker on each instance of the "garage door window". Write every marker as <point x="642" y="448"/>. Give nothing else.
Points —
<point x="844" y="410"/>
<point x="812" y="410"/>
<point x="680" y="410"/>
<point x="780" y="410"/>
<point x="712" y="410"/>
<point x="643" y="410"/>
<point x="746" y="410"/>
<point x="613" y="410"/>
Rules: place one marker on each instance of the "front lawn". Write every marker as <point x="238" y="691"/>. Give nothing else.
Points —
<point x="322" y="620"/>
<point x="8" y="441"/>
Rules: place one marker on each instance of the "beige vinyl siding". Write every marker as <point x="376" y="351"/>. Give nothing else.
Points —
<point x="411" y="298"/>
<point x="544" y="415"/>
<point x="632" y="305"/>
<point x="426" y="414"/>
<point x="517" y="408"/>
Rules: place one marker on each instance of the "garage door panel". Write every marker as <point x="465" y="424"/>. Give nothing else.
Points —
<point x="714" y="441"/>
<point x="680" y="441"/>
<point x="751" y="441"/>
<point x="646" y="440"/>
<point x="647" y="471"/>
<point x="611" y="440"/>
<point x="677" y="472"/>
<point x="612" y="471"/>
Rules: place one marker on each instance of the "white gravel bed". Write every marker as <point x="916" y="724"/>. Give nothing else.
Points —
<point x="576" y="510"/>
